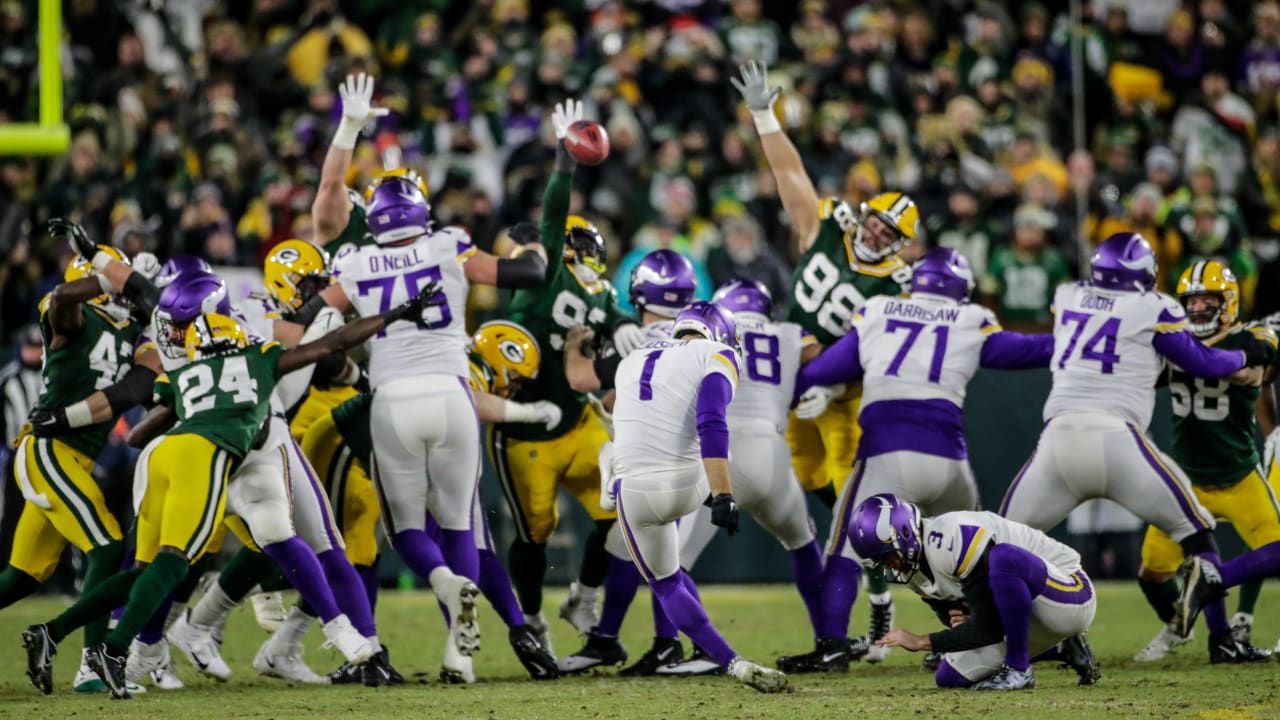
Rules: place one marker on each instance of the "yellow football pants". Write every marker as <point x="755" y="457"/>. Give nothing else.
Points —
<point x="822" y="450"/>
<point x="1249" y="505"/>
<point x="351" y="492"/>
<point x="186" y="498"/>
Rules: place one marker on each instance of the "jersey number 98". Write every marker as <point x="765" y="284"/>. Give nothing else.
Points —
<point x="820" y="291"/>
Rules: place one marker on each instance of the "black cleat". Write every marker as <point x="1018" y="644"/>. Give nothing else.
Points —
<point x="347" y="674"/>
<point x="699" y="664"/>
<point x="1201" y="585"/>
<point x="110" y="668"/>
<point x="1224" y="648"/>
<point x="377" y="671"/>
<point x="540" y="663"/>
<point x="40" y="651"/>
<point x="1078" y="656"/>
<point x="1007" y="678"/>
<point x="881" y="622"/>
<point x="665" y="651"/>
<point x="932" y="661"/>
<point x="831" y="655"/>
<point x="600" y="651"/>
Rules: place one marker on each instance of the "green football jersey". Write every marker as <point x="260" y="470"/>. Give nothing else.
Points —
<point x="1214" y="421"/>
<point x="93" y="359"/>
<point x="352" y="420"/>
<point x="549" y="311"/>
<point x="224" y="399"/>
<point x="829" y="284"/>
<point x="356" y="233"/>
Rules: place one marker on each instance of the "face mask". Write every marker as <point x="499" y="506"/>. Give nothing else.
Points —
<point x="586" y="275"/>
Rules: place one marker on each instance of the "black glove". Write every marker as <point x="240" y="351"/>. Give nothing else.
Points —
<point x="48" y="422"/>
<point x="1257" y="352"/>
<point x="430" y="295"/>
<point x="524" y="233"/>
<point x="724" y="512"/>
<point x="362" y="385"/>
<point x="61" y="229"/>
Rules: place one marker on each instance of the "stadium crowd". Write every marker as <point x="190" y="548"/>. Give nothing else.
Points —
<point x="206" y="133"/>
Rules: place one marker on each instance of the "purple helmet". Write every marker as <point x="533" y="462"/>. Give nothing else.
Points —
<point x="397" y="211"/>
<point x="188" y="298"/>
<point x="943" y="271"/>
<point x="744" y="295"/>
<point x="1123" y="261"/>
<point x="709" y="320"/>
<point x="663" y="283"/>
<point x="177" y="266"/>
<point x="883" y="525"/>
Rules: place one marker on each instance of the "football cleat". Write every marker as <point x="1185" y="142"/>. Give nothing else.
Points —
<point x="1006" y="678"/>
<point x="144" y="659"/>
<point x="1224" y="648"/>
<point x="882" y="615"/>
<point x="198" y="645"/>
<point x="932" y="661"/>
<point x="766" y="680"/>
<point x="458" y="595"/>
<point x="268" y="610"/>
<point x="286" y="664"/>
<point x="166" y="678"/>
<point x="347" y="674"/>
<point x="457" y="669"/>
<point x="542" y="629"/>
<point x="1164" y="643"/>
<point x="378" y="671"/>
<point x="87" y="681"/>
<point x="600" y="651"/>
<point x="665" y="651"/>
<point x="580" y="607"/>
<point x="1078" y="656"/>
<point x="830" y="655"/>
<point x="535" y="658"/>
<point x="40" y="651"/>
<point x="341" y="634"/>
<point x="110" y="667"/>
<point x="698" y="665"/>
<point x="1201" y="584"/>
<point x="1242" y="628"/>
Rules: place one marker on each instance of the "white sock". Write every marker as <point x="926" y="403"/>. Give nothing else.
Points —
<point x="212" y="609"/>
<point x="883" y="598"/>
<point x="586" y="593"/>
<point x="293" y="629"/>
<point x="373" y="640"/>
<point x="175" y="612"/>
<point x="439" y="577"/>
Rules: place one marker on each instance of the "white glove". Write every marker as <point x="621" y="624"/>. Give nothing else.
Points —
<point x="1269" y="451"/>
<point x="627" y="337"/>
<point x="566" y="114"/>
<point x="608" y="483"/>
<point x="814" y="401"/>
<point x="147" y="264"/>
<point x="357" y="109"/>
<point x="606" y="418"/>
<point x="548" y="413"/>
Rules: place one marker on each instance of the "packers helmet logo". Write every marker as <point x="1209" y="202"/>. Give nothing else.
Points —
<point x="288" y="255"/>
<point x="512" y="351"/>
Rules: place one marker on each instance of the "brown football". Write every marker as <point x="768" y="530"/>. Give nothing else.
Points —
<point x="587" y="142"/>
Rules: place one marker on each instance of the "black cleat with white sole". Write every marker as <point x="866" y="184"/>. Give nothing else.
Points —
<point x="40" y="651"/>
<point x="1007" y="678"/>
<point x="1201" y="585"/>
<point x="600" y="651"/>
<point x="109" y="665"/>
<point x="1078" y="656"/>
<point x="830" y="655"/>
<point x="377" y="671"/>
<point x="699" y="664"/>
<point x="665" y="651"/>
<point x="540" y="663"/>
<point x="1225" y="648"/>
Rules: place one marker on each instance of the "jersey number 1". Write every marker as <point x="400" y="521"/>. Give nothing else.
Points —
<point x="646" y="374"/>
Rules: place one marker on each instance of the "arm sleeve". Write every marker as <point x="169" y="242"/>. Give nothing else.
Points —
<point x="714" y="395"/>
<point x="555" y="213"/>
<point x="527" y="270"/>
<point x="983" y="626"/>
<point x="606" y="369"/>
<point x="133" y="389"/>
<point x="141" y="292"/>
<point x="942" y="609"/>
<point x="1004" y="350"/>
<point x="1184" y="350"/>
<point x="838" y="364"/>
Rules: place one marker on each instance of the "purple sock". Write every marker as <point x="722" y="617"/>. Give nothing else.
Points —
<point x="496" y="586"/>
<point x="662" y="625"/>
<point x="1263" y="562"/>
<point x="369" y="578"/>
<point x="303" y="570"/>
<point x="1016" y="576"/>
<point x="460" y="552"/>
<point x="806" y="568"/>
<point x="418" y="551"/>
<point x="688" y="615"/>
<point x="839" y="590"/>
<point x="949" y="677"/>
<point x="620" y="585"/>
<point x="348" y="591"/>
<point x="153" y="631"/>
<point x="1215" y="615"/>
<point x="689" y="585"/>
<point x="1049" y="655"/>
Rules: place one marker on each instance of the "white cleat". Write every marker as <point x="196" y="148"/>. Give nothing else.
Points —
<point x="541" y="628"/>
<point x="287" y="665"/>
<point x="766" y="680"/>
<point x="459" y="595"/>
<point x="87" y="681"/>
<point x="268" y="610"/>
<point x="581" y="607"/>
<point x="1164" y="643"/>
<point x="166" y="678"/>
<point x="457" y="669"/>
<point x="198" y="646"/>
<point x="342" y="635"/>
<point x="145" y="659"/>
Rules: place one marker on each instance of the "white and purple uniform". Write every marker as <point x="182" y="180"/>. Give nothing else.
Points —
<point x="915" y="357"/>
<point x="760" y="462"/>
<point x="1107" y="355"/>
<point x="423" y="421"/>
<point x="670" y="413"/>
<point x="954" y="544"/>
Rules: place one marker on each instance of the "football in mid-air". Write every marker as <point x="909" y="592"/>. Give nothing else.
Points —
<point x="587" y="142"/>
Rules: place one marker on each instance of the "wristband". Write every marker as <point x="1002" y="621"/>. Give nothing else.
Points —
<point x="350" y="376"/>
<point x="766" y="121"/>
<point x="514" y="412"/>
<point x="100" y="261"/>
<point x="344" y="138"/>
<point x="79" y="414"/>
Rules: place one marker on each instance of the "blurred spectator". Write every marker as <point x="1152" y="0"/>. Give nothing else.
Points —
<point x="1144" y="204"/>
<point x="20" y="385"/>
<point x="1211" y="130"/>
<point x="963" y="228"/>
<point x="1212" y="235"/>
<point x="1259" y="76"/>
<point x="1022" y="276"/>
<point x="746" y="254"/>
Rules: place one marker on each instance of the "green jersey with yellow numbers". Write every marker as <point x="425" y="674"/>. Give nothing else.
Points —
<point x="830" y="284"/>
<point x="93" y="358"/>
<point x="356" y="233"/>
<point x="224" y="399"/>
<point x="351" y="418"/>
<point x="548" y="312"/>
<point x="1214" y="421"/>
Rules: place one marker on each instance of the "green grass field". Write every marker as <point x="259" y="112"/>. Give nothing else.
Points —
<point x="760" y="621"/>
